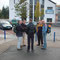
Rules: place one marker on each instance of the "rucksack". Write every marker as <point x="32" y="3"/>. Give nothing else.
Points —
<point x="32" y="29"/>
<point x="48" y="28"/>
<point x="14" y="29"/>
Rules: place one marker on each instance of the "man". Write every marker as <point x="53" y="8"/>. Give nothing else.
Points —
<point x="19" y="34"/>
<point x="31" y="30"/>
<point x="44" y="30"/>
<point x="39" y="33"/>
<point x="24" y="32"/>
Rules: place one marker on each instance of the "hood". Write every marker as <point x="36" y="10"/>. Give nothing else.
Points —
<point x="7" y="25"/>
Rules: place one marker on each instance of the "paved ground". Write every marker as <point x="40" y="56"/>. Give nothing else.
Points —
<point x="9" y="35"/>
<point x="13" y="54"/>
<point x="8" y="50"/>
<point x="51" y="35"/>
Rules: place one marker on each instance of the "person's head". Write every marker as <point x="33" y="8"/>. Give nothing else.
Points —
<point x="40" y="22"/>
<point x="20" y="22"/>
<point x="24" y="21"/>
<point x="43" y="22"/>
<point x="30" y="20"/>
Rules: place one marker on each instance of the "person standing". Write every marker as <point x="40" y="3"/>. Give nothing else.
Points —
<point x="19" y="35"/>
<point x="39" y="33"/>
<point x="24" y="32"/>
<point x="44" y="30"/>
<point x="31" y="30"/>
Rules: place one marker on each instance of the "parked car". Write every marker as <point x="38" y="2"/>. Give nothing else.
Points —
<point x="14" y="22"/>
<point x="5" y="25"/>
<point x="35" y="23"/>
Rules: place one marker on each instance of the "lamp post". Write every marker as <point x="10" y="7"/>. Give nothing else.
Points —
<point x="33" y="10"/>
<point x="40" y="7"/>
<point x="28" y="10"/>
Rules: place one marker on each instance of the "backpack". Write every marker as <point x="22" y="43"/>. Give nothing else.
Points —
<point x="32" y="29"/>
<point x="49" y="29"/>
<point x="14" y="29"/>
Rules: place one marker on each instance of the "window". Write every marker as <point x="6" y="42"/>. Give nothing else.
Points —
<point x="31" y="1"/>
<point x="58" y="17"/>
<point x="58" y="8"/>
<point x="50" y="8"/>
<point x="14" y="1"/>
<point x="21" y="1"/>
<point x="42" y="6"/>
<point x="18" y="0"/>
<point x="49" y="11"/>
<point x="49" y="19"/>
<point x="35" y="2"/>
<point x="42" y="1"/>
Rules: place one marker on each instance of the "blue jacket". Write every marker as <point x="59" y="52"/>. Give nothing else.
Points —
<point x="44" y="29"/>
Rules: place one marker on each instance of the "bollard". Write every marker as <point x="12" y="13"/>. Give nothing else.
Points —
<point x="54" y="36"/>
<point x="4" y="35"/>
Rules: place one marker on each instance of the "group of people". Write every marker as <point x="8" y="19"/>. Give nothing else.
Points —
<point x="22" y="30"/>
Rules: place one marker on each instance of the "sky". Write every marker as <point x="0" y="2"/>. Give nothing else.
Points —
<point x="5" y="3"/>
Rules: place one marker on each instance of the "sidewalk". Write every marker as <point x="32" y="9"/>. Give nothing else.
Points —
<point x="8" y="50"/>
<point x="11" y="53"/>
<point x="4" y="45"/>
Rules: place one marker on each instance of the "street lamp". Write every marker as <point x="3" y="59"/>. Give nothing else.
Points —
<point x="33" y="10"/>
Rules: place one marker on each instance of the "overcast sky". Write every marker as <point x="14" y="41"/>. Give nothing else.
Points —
<point x="6" y="3"/>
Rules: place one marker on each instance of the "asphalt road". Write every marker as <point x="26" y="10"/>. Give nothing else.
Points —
<point x="38" y="54"/>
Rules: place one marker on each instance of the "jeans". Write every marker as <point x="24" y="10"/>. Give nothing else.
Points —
<point x="19" y="42"/>
<point x="44" y="39"/>
<point x="30" y="40"/>
<point x="40" y="39"/>
<point x="36" y="37"/>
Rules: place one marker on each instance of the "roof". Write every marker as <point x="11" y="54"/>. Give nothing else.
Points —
<point x="52" y="1"/>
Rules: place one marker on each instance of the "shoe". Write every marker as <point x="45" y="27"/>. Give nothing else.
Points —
<point x="24" y="45"/>
<point x="19" y="49"/>
<point x="43" y="48"/>
<point x="38" y="45"/>
<point x="21" y="46"/>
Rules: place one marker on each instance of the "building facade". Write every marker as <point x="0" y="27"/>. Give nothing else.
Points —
<point x="48" y="5"/>
<point x="50" y="14"/>
<point x="58" y="13"/>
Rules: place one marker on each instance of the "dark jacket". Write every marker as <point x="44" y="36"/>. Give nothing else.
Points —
<point x="19" y="31"/>
<point x="39" y="29"/>
<point x="31" y="29"/>
<point x="24" y="27"/>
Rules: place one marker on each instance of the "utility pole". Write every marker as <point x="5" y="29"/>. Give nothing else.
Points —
<point x="40" y="8"/>
<point x="33" y="9"/>
<point x="28" y="3"/>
